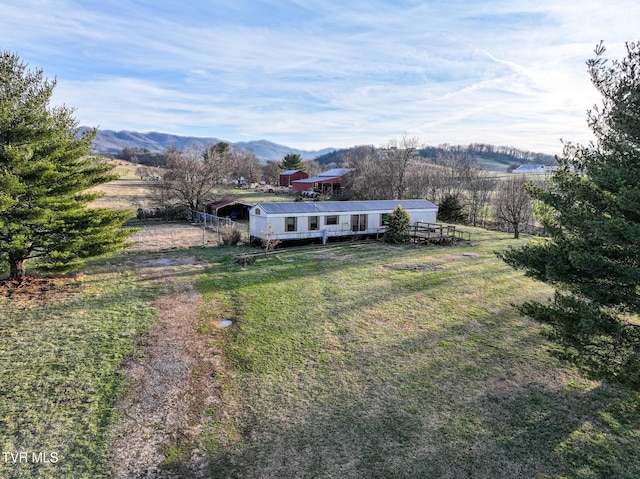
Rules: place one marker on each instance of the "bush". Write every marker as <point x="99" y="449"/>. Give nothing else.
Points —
<point x="230" y="235"/>
<point x="398" y="223"/>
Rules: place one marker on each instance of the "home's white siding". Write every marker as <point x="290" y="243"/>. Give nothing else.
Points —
<point x="259" y="224"/>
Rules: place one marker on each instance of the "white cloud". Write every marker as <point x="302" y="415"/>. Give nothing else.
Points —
<point x="320" y="73"/>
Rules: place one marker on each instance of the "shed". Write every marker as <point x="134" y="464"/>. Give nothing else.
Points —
<point x="298" y="221"/>
<point x="230" y="208"/>
<point x="289" y="176"/>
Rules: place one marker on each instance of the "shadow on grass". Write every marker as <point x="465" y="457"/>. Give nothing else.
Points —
<point x="536" y="433"/>
<point x="431" y="418"/>
<point x="474" y="394"/>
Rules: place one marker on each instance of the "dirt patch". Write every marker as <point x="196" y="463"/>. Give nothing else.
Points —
<point x="172" y="382"/>
<point x="39" y="288"/>
<point x="416" y="268"/>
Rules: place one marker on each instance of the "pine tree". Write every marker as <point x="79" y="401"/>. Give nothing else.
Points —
<point x="292" y="161"/>
<point x="451" y="209"/>
<point x="397" y="228"/>
<point x="593" y="215"/>
<point x="45" y="172"/>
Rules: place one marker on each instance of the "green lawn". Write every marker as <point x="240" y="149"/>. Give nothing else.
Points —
<point x="59" y="376"/>
<point x="349" y="361"/>
<point x="378" y="361"/>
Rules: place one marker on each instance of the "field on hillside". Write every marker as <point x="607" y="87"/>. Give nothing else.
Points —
<point x="129" y="192"/>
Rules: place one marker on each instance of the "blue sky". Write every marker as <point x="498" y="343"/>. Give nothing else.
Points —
<point x="320" y="73"/>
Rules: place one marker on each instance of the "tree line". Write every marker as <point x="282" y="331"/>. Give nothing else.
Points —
<point x="453" y="180"/>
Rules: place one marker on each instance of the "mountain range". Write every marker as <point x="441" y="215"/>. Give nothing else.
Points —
<point x="109" y="141"/>
<point x="497" y="158"/>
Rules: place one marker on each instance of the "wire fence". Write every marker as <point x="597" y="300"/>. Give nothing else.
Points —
<point x="212" y="221"/>
<point x="215" y="225"/>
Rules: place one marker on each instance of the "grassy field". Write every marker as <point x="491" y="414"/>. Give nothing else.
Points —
<point x="129" y="192"/>
<point x="61" y="351"/>
<point x="350" y="361"/>
<point x="376" y="361"/>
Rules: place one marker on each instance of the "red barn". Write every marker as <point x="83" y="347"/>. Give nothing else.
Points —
<point x="288" y="177"/>
<point x="328" y="183"/>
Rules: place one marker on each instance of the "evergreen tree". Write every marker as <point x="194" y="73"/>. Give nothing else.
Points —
<point x="592" y="206"/>
<point x="398" y="223"/>
<point x="292" y="161"/>
<point x="451" y="209"/>
<point x="45" y="172"/>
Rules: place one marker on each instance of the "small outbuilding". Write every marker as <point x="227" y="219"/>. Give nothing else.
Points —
<point x="230" y="209"/>
<point x="289" y="176"/>
<point x="531" y="169"/>
<point x="323" y="220"/>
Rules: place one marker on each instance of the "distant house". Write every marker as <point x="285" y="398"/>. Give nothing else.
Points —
<point x="289" y="176"/>
<point x="531" y="169"/>
<point x="329" y="182"/>
<point x="296" y="221"/>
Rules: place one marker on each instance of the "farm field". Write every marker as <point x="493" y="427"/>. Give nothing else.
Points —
<point x="129" y="192"/>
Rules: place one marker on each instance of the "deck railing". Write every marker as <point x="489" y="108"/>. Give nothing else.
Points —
<point x="437" y="232"/>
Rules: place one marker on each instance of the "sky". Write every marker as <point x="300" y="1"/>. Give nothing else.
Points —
<point x="312" y="74"/>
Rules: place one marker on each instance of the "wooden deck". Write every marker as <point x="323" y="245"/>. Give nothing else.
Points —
<point x="437" y="233"/>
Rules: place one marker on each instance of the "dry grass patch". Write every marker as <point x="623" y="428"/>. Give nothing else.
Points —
<point x="162" y="236"/>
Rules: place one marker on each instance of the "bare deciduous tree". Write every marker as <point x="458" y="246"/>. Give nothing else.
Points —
<point x="271" y="171"/>
<point x="396" y="158"/>
<point x="187" y="179"/>
<point x="478" y="194"/>
<point x="242" y="165"/>
<point x="512" y="203"/>
<point x="313" y="168"/>
<point x="382" y="173"/>
<point x="369" y="180"/>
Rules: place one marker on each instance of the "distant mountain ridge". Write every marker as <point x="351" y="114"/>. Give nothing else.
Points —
<point x="497" y="158"/>
<point x="110" y="141"/>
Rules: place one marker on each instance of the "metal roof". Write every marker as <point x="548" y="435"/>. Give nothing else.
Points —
<point x="529" y="167"/>
<point x="318" y="179"/>
<point x="222" y="204"/>
<point x="336" y="172"/>
<point x="289" y="172"/>
<point x="343" y="206"/>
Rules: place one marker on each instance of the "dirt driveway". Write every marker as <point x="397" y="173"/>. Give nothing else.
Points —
<point x="171" y="381"/>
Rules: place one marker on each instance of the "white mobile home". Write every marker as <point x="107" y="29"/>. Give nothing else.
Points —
<point x="330" y="219"/>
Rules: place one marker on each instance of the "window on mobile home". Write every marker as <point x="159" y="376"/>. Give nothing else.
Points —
<point x="291" y="223"/>
<point x="358" y="222"/>
<point x="331" y="220"/>
<point x="313" y="223"/>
